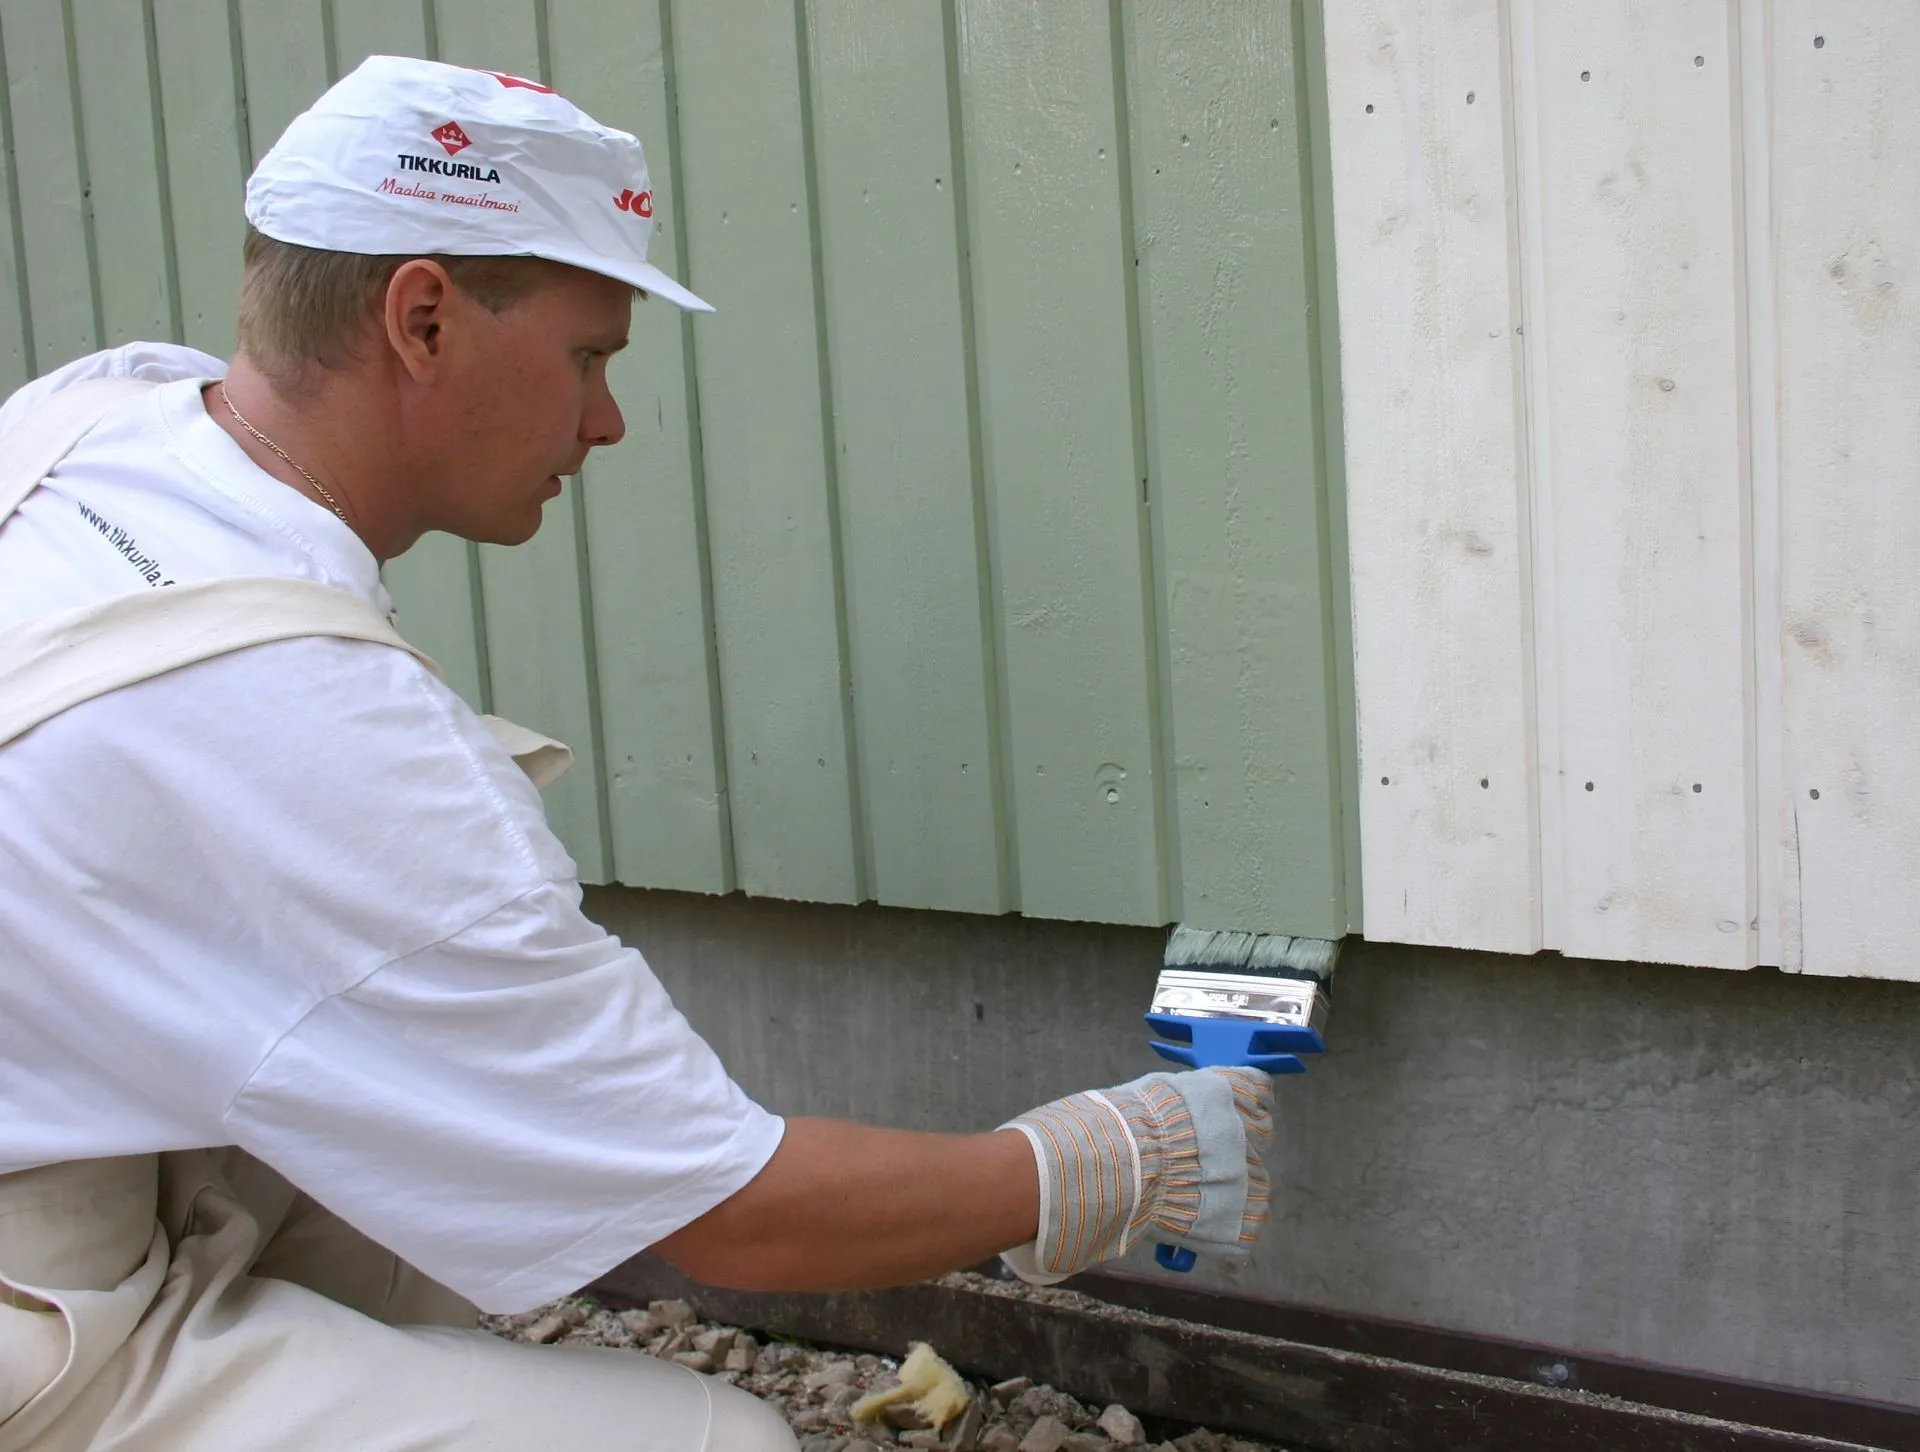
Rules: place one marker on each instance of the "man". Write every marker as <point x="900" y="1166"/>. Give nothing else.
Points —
<point x="306" y="1049"/>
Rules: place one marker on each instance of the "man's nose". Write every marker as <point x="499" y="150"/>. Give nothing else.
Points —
<point x="603" y="424"/>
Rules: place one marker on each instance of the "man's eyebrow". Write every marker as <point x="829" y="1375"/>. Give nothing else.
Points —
<point x="609" y="343"/>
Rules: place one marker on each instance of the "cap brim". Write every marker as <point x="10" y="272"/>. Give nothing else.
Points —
<point x="656" y="283"/>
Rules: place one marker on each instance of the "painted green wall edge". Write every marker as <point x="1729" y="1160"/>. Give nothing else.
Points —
<point x="1311" y="48"/>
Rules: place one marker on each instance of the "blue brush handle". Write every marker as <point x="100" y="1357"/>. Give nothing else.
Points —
<point x="1216" y="1043"/>
<point x="1174" y="1258"/>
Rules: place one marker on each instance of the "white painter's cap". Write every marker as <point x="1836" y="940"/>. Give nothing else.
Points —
<point x="411" y="156"/>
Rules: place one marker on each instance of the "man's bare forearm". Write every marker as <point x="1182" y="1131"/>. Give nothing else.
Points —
<point x="844" y="1206"/>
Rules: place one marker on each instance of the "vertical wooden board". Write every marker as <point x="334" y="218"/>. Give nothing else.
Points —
<point x="16" y="362"/>
<point x="745" y="139"/>
<point x="495" y="35"/>
<point x="1052" y="274"/>
<point x="1640" y="235"/>
<point x="125" y="166"/>
<point x="653" y="628"/>
<point x="208" y="158"/>
<point x="1228" y="352"/>
<point x="1434" y="469"/>
<point x="1311" y="73"/>
<point x="284" y="50"/>
<point x="538" y="662"/>
<point x="913" y="537"/>
<point x="377" y="27"/>
<point x="539" y="668"/>
<point x="53" y="205"/>
<point x="1846" y="172"/>
<point x="433" y="582"/>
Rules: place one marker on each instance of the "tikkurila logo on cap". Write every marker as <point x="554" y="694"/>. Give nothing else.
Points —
<point x="451" y="137"/>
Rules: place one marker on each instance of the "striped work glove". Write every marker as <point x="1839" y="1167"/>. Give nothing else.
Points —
<point x="1171" y="1156"/>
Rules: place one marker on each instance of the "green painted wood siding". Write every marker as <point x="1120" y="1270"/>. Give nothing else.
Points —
<point x="979" y="554"/>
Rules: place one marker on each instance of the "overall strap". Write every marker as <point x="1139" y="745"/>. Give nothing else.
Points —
<point x="33" y="446"/>
<point x="54" y="662"/>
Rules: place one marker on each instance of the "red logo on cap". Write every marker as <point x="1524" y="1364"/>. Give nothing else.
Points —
<point x="511" y="82"/>
<point x="451" y="137"/>
<point x="639" y="203"/>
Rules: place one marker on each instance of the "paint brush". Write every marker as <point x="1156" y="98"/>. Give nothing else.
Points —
<point x="1252" y="1000"/>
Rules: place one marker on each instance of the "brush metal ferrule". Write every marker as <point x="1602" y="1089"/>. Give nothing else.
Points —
<point x="1282" y="1002"/>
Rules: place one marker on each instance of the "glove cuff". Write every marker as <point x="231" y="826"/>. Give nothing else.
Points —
<point x="1090" y="1182"/>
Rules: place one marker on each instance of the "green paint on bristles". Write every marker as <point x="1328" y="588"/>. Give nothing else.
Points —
<point x="1274" y="955"/>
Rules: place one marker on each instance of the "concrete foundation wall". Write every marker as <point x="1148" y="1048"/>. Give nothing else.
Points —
<point x="1702" y="1169"/>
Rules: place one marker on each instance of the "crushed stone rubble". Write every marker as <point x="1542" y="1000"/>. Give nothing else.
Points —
<point x="815" y="1389"/>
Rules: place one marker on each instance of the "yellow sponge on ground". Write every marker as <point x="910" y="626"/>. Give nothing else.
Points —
<point x="934" y="1388"/>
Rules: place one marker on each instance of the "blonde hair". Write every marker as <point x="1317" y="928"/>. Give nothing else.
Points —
<point x="303" y="309"/>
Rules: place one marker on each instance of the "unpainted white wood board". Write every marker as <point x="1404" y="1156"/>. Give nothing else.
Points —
<point x="1435" y="472"/>
<point x="1771" y="804"/>
<point x="1846" y="176"/>
<point x="1635" y="108"/>
<point x="912" y="528"/>
<point x="645" y="539"/>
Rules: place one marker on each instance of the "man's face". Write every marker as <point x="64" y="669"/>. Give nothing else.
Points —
<point x="523" y="398"/>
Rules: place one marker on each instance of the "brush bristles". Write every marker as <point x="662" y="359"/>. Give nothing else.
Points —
<point x="1273" y="954"/>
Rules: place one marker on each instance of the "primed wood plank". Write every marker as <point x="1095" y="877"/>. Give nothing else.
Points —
<point x="432" y="585"/>
<point x="784" y="679"/>
<point x="536" y="634"/>
<point x="1227" y="343"/>
<point x="495" y="35"/>
<point x="284" y="50"/>
<point x="653" y="630"/>
<point x="1845" y="177"/>
<point x="539" y="669"/>
<point x="1311" y="71"/>
<point x="1640" y="232"/>
<point x="914" y="539"/>
<point x="124" y="166"/>
<point x="1052" y="275"/>
<point x="1442" y="654"/>
<point x="377" y="27"/>
<point x="16" y="363"/>
<point x="433" y="582"/>
<point x="207" y="164"/>
<point x="53" y="221"/>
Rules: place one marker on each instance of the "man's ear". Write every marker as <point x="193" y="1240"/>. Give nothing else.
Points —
<point x="415" y="315"/>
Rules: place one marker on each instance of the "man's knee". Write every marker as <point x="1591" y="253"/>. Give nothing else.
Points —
<point x="742" y="1422"/>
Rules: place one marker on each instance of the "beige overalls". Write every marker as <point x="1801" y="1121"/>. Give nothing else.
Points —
<point x="194" y="1301"/>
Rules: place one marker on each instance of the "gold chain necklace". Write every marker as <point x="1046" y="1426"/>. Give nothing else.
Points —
<point x="318" y="487"/>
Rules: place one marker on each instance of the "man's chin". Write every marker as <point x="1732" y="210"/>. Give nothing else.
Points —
<point x="504" y="530"/>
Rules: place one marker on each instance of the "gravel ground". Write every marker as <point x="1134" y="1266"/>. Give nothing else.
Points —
<point x="815" y="1388"/>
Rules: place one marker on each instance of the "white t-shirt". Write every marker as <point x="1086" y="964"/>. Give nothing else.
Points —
<point x="297" y="899"/>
